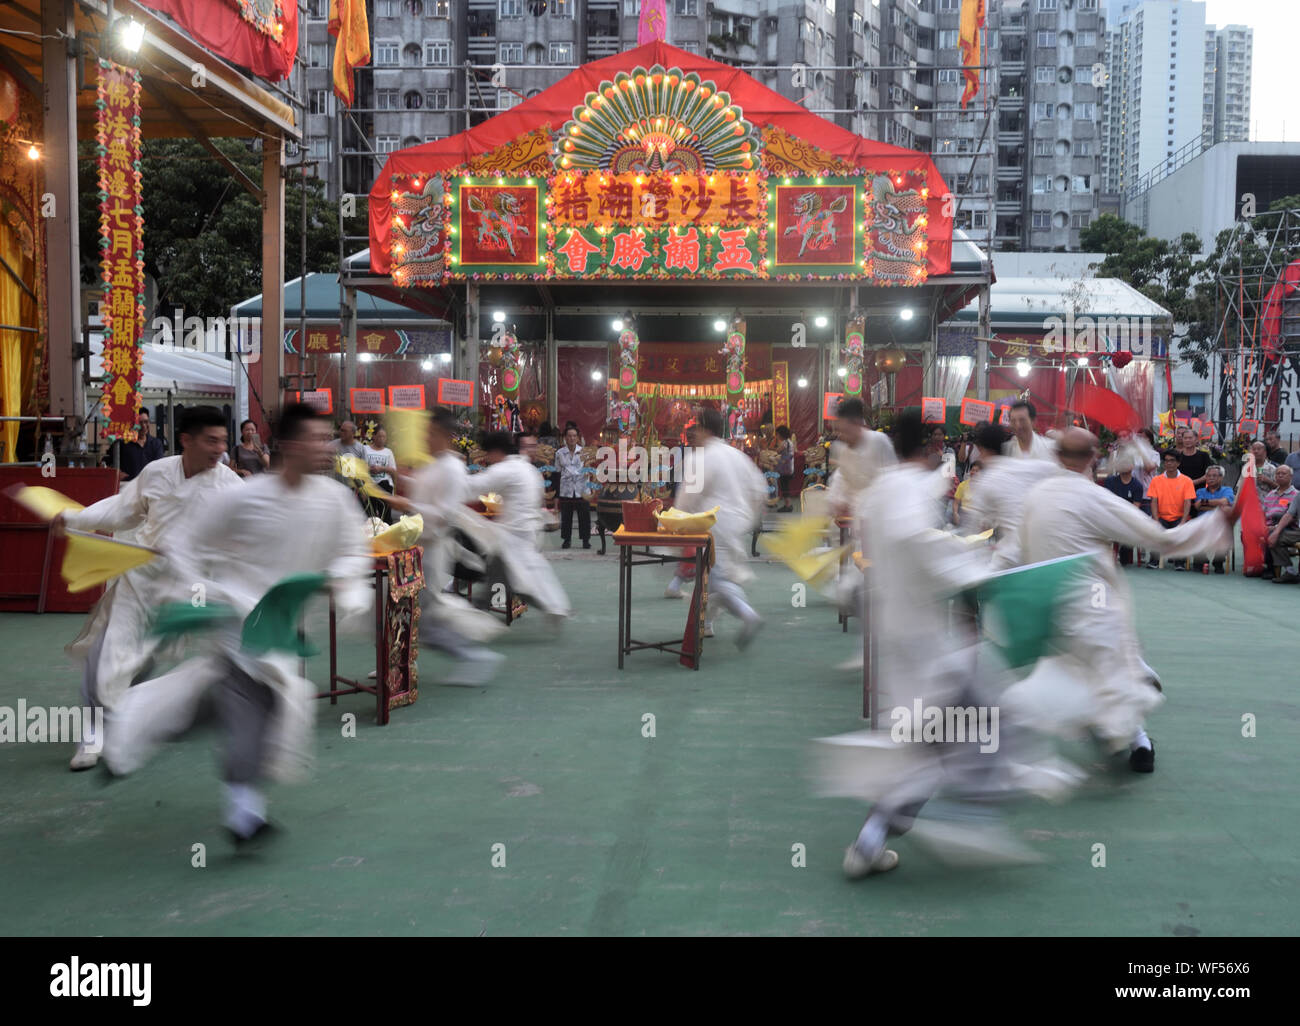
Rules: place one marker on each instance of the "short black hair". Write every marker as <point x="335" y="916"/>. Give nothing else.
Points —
<point x="1025" y="404"/>
<point x="909" y="434"/>
<point x="851" y="409"/>
<point x="571" y="424"/>
<point x="990" y="436"/>
<point x="498" y="441"/>
<point x="197" y="419"/>
<point x="293" y="418"/>
<point x="782" y="432"/>
<point x="1169" y="454"/>
<point x="712" y="422"/>
<point x="445" y="420"/>
<point x="243" y="422"/>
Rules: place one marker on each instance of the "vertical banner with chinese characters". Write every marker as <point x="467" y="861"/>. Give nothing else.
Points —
<point x="121" y="229"/>
<point x="780" y="393"/>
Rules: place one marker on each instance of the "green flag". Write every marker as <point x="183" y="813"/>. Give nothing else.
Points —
<point x="177" y="618"/>
<point x="1020" y="607"/>
<point x="273" y="623"/>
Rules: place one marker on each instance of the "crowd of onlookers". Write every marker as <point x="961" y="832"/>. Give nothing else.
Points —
<point x="1183" y="480"/>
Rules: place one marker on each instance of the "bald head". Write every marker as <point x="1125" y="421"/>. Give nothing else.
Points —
<point x="1077" y="449"/>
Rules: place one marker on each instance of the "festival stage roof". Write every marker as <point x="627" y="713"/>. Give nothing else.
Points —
<point x="659" y="165"/>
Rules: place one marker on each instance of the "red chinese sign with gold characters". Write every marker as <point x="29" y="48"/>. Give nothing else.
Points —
<point x="121" y="230"/>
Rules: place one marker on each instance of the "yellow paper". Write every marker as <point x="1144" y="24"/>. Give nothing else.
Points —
<point x="46" y="503"/>
<point x="356" y="469"/>
<point x="793" y="543"/>
<point x="91" y="559"/>
<point x="402" y="535"/>
<point x="491" y="502"/>
<point x="408" y="437"/>
<point x="675" y="521"/>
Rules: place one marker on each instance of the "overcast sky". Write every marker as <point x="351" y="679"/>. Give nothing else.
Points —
<point x="1274" y="114"/>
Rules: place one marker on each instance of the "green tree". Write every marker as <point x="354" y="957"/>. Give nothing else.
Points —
<point x="203" y="230"/>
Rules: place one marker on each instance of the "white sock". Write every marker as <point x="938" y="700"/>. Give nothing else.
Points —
<point x="872" y="837"/>
<point x="245" y="808"/>
<point x="1140" y="740"/>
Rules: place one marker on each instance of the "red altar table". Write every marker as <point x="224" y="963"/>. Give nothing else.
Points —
<point x="398" y="581"/>
<point x="691" y="643"/>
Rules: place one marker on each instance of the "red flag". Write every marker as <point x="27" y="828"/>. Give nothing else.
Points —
<point x="351" y="31"/>
<point x="654" y="22"/>
<point x="972" y="20"/>
<point x="1254" y="531"/>
<point x="1100" y="404"/>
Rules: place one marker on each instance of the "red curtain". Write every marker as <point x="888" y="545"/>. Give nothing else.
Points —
<point x="804" y="414"/>
<point x="582" y="399"/>
<point x="217" y="24"/>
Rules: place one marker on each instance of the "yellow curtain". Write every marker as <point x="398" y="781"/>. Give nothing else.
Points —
<point x="11" y="342"/>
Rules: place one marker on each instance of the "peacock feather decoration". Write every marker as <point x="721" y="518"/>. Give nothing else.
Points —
<point x="657" y="120"/>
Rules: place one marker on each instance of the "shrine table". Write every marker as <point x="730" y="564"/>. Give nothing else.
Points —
<point x="691" y="645"/>
<point x="398" y="581"/>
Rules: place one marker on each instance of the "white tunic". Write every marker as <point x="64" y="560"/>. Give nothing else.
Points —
<point x="1040" y="448"/>
<point x="515" y="530"/>
<point x="856" y="467"/>
<point x="726" y="478"/>
<point x="1069" y="515"/>
<point x="152" y="509"/>
<point x="997" y="500"/>
<point x="916" y="568"/>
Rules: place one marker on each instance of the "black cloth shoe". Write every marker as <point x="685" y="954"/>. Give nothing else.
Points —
<point x="564" y="545"/>
<point x="1143" y="760"/>
<point x="586" y="545"/>
<point x="253" y="842"/>
<point x="1218" y="567"/>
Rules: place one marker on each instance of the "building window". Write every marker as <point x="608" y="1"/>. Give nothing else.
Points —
<point x="319" y="149"/>
<point x="511" y="8"/>
<point x="1043" y="73"/>
<point x="383" y="9"/>
<point x="631" y="7"/>
<point x="320" y="100"/>
<point x="1042" y="183"/>
<point x="1047" y="5"/>
<point x="386" y="99"/>
<point x="1079" y="221"/>
<point x="949" y="5"/>
<point x="686" y="7"/>
<point x="947" y="39"/>
<point x="979" y="218"/>
<point x="415" y="8"/>
<point x="318" y="10"/>
<point x="442" y="8"/>
<point x="387" y="54"/>
<point x="413" y="100"/>
<point x="438" y="99"/>
<point x="511" y="53"/>
<point x="1040" y="219"/>
<point x="507" y="98"/>
<point x="1042" y="111"/>
<point x="1085" y="112"/>
<point x="1083" y="183"/>
<point x="1046" y="37"/>
<point x="561" y="8"/>
<point x="535" y="54"/>
<point x="690" y="46"/>
<point x="1087" y="38"/>
<point x="949" y="75"/>
<point x="561" y="53"/>
<point x="437" y="54"/>
<point x="980" y="184"/>
<point x="386" y="143"/>
<point x="1043" y="147"/>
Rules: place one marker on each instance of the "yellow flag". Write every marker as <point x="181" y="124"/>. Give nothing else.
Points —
<point x="793" y="544"/>
<point x="46" y="503"/>
<point x="402" y="535"/>
<point x="355" y="469"/>
<point x="408" y="437"/>
<point x="92" y="559"/>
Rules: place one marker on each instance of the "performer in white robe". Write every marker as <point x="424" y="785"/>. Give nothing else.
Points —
<point x="114" y="643"/>
<point x="1069" y="514"/>
<point x="924" y="654"/>
<point x="857" y="456"/>
<point x="516" y="529"/>
<point x="718" y="475"/>
<point x="997" y="494"/>
<point x="238" y="546"/>
<point x="439" y="492"/>
<point x="1025" y="442"/>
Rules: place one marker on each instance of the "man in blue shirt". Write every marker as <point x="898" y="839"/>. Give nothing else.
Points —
<point x="1130" y="489"/>
<point x="133" y="457"/>
<point x="1212" y="494"/>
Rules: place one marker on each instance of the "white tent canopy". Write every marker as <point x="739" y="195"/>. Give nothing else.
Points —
<point x="167" y="368"/>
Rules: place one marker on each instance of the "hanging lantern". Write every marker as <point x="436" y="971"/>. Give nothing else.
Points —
<point x="890" y="361"/>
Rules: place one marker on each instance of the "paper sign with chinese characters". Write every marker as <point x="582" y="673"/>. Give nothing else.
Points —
<point x="933" y="411"/>
<point x="975" y="412"/>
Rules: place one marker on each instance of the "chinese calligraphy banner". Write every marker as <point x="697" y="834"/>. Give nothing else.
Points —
<point x="121" y="231"/>
<point x="329" y="339"/>
<point x="780" y="393"/>
<point x="366" y="400"/>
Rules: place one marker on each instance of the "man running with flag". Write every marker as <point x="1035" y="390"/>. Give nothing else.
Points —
<point x="1069" y="514"/>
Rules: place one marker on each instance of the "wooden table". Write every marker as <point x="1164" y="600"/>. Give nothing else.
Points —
<point x="691" y="645"/>
<point x="397" y="624"/>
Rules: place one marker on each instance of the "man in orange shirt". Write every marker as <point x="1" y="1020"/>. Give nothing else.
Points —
<point x="1171" y="495"/>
